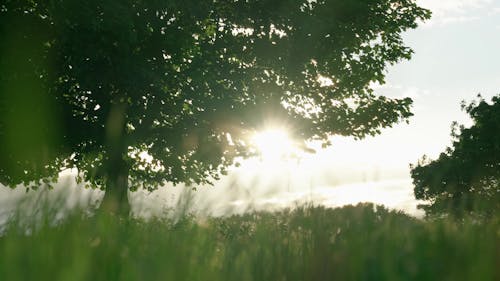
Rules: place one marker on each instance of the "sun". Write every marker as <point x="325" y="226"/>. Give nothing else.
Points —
<point x="273" y="144"/>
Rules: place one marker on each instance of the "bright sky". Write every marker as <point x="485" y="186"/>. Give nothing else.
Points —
<point x="456" y="57"/>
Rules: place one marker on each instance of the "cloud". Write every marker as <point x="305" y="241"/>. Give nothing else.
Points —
<point x="452" y="6"/>
<point x="454" y="11"/>
<point x="458" y="19"/>
<point x="415" y="93"/>
<point x="400" y="91"/>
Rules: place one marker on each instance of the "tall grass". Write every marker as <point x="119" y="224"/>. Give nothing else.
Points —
<point x="362" y="242"/>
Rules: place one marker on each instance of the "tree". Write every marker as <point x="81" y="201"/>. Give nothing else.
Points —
<point x="135" y="93"/>
<point x="465" y="178"/>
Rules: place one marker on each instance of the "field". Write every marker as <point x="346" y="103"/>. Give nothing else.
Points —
<point x="363" y="242"/>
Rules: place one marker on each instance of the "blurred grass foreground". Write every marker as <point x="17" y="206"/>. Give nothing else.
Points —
<point x="363" y="242"/>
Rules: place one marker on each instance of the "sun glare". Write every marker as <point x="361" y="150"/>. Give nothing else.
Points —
<point x="273" y="144"/>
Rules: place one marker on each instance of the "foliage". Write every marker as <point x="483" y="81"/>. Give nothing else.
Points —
<point x="466" y="177"/>
<point x="361" y="242"/>
<point x="149" y="92"/>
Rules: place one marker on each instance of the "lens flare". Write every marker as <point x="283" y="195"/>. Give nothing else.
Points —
<point x="273" y="144"/>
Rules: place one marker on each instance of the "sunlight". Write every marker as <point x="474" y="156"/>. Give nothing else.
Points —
<point x="273" y="144"/>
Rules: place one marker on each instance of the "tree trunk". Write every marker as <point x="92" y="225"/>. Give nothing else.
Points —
<point x="115" y="199"/>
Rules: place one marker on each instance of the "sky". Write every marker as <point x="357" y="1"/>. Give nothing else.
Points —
<point x="456" y="57"/>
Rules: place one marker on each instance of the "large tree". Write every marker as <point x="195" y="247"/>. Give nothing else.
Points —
<point x="465" y="179"/>
<point x="136" y="93"/>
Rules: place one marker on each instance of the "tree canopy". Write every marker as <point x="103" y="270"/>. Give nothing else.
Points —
<point x="465" y="178"/>
<point x="139" y="93"/>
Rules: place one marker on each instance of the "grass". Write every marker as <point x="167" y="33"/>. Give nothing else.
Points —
<point x="362" y="242"/>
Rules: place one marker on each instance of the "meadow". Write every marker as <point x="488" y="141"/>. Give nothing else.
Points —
<point x="363" y="242"/>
